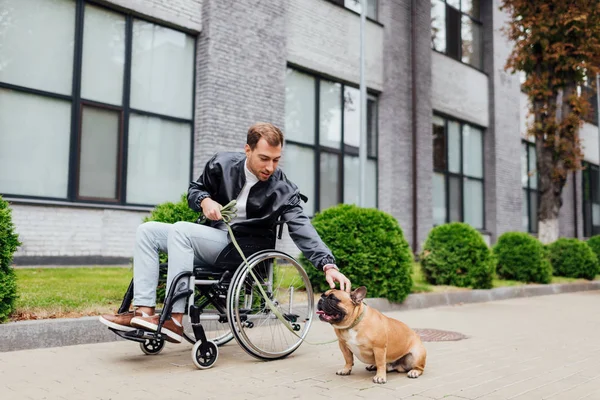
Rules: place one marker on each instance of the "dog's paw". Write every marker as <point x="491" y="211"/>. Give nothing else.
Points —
<point x="379" y="379"/>
<point x="371" y="367"/>
<point x="344" y="371"/>
<point x="414" y="373"/>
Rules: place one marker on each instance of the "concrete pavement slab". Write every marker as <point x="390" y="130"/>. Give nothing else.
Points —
<point x="530" y="348"/>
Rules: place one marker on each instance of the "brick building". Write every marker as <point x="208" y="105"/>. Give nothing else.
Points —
<point x="110" y="107"/>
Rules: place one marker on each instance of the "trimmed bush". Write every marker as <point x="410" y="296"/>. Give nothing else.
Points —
<point x="594" y="243"/>
<point x="370" y="249"/>
<point x="521" y="257"/>
<point x="170" y="213"/>
<point x="573" y="258"/>
<point x="455" y="254"/>
<point x="9" y="241"/>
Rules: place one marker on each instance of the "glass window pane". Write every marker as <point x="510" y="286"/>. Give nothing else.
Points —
<point x="34" y="145"/>
<point x="299" y="107"/>
<point x="454" y="3"/>
<point x="98" y="161"/>
<point x="299" y="167"/>
<point x="470" y="7"/>
<point x="439" y="144"/>
<point x="352" y="117"/>
<point x="533" y="211"/>
<point x="372" y="128"/>
<point x="356" y="5"/>
<point x="471" y="42"/>
<point x="524" y="169"/>
<point x="162" y="70"/>
<point x="439" y="199"/>
<point x="352" y="180"/>
<point x="455" y="198"/>
<point x="438" y="25"/>
<point x="371" y="185"/>
<point x="330" y="114"/>
<point x="103" y="55"/>
<point x="453" y="146"/>
<point x="36" y="44"/>
<point x="595" y="183"/>
<point x="532" y="167"/>
<point x="472" y="151"/>
<point x="473" y="203"/>
<point x="329" y="193"/>
<point x="525" y="212"/>
<point x="158" y="160"/>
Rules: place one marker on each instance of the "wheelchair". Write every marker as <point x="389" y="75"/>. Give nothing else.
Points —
<point x="224" y="301"/>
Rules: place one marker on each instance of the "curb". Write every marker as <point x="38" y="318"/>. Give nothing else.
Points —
<point x="426" y="300"/>
<point x="87" y="330"/>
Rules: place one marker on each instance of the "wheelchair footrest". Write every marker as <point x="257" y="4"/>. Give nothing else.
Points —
<point x="138" y="335"/>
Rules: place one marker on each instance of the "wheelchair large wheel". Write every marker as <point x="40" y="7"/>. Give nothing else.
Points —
<point x="256" y="328"/>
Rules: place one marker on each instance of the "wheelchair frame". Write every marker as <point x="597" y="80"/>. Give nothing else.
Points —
<point x="216" y="285"/>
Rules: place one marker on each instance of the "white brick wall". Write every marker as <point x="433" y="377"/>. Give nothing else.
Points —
<point x="326" y="38"/>
<point x="184" y="13"/>
<point x="69" y="231"/>
<point x="459" y="90"/>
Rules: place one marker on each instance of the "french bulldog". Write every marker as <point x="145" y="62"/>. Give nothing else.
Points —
<point x="384" y="344"/>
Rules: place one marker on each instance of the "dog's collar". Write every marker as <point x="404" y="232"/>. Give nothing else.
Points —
<point x="357" y="320"/>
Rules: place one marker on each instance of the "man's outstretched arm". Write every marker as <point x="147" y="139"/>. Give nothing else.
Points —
<point x="310" y="244"/>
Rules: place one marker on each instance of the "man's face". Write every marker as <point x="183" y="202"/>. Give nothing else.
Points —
<point x="263" y="160"/>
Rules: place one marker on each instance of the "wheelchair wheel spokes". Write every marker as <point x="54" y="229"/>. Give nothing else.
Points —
<point x="255" y="326"/>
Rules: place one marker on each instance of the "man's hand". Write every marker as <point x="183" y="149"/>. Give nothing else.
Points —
<point x="211" y="209"/>
<point x="333" y="275"/>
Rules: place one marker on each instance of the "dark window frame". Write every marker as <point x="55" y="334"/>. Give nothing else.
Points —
<point x="344" y="149"/>
<point x="589" y="229"/>
<point x="460" y="175"/>
<point x="77" y="103"/>
<point x="531" y="228"/>
<point x="476" y="21"/>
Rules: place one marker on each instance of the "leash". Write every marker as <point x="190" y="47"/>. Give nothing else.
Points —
<point x="228" y="213"/>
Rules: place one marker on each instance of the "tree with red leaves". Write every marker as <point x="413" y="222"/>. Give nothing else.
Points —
<point x="557" y="45"/>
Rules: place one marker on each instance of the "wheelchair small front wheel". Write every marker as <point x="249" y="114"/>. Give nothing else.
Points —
<point x="152" y="347"/>
<point x="205" y="354"/>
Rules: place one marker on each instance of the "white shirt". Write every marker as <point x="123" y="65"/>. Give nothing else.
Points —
<point x="242" y="199"/>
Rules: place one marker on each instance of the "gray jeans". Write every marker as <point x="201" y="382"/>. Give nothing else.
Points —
<point x="186" y="243"/>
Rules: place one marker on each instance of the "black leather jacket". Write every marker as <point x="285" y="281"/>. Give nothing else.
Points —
<point x="223" y="179"/>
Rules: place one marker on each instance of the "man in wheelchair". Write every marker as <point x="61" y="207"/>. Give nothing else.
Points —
<point x="264" y="196"/>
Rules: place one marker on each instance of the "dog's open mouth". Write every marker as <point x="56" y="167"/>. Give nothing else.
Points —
<point x="323" y="316"/>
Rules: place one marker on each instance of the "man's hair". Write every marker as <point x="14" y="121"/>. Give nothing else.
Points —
<point x="267" y="131"/>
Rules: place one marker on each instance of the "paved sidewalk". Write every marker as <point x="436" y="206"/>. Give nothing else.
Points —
<point x="545" y="347"/>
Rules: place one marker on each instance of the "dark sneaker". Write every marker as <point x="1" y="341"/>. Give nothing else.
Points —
<point x="121" y="322"/>
<point x="171" y="329"/>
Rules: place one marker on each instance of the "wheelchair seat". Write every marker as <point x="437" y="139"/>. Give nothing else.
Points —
<point x="229" y="259"/>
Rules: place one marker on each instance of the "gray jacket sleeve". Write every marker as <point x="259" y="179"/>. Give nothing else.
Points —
<point x="306" y="237"/>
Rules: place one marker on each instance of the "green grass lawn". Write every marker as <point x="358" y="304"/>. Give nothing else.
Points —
<point x="74" y="292"/>
<point x="65" y="292"/>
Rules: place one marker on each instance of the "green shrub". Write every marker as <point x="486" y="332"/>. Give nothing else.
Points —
<point x="370" y="249"/>
<point x="522" y="257"/>
<point x="594" y="243"/>
<point x="9" y="241"/>
<point x="170" y="213"/>
<point x="573" y="258"/>
<point x="456" y="254"/>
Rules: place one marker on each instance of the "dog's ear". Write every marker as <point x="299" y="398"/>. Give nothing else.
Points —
<point x="358" y="294"/>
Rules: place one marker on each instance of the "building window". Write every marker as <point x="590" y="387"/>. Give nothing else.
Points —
<point x="95" y="105"/>
<point x="458" y="173"/>
<point x="529" y="183"/>
<point x="591" y="199"/>
<point x="355" y="5"/>
<point x="321" y="154"/>
<point x="456" y="30"/>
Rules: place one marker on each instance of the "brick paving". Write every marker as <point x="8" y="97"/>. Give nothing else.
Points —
<point x="545" y="347"/>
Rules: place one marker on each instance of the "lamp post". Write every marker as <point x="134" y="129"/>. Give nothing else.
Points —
<point x="362" y="150"/>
